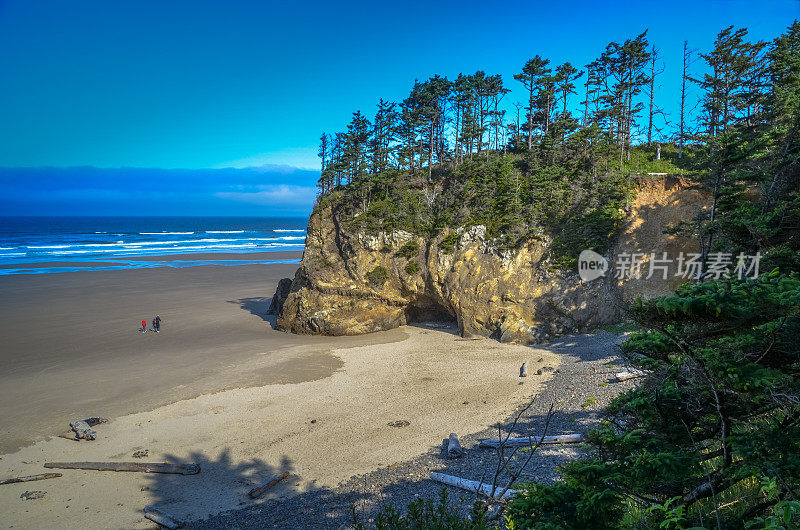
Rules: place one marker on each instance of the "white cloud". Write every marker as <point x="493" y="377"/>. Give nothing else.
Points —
<point x="283" y="195"/>
<point x="295" y="157"/>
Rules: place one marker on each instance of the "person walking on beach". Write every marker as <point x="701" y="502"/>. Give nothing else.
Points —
<point x="144" y="326"/>
<point x="157" y="323"/>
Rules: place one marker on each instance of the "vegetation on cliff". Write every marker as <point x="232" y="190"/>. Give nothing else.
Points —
<point x="711" y="438"/>
<point x="449" y="155"/>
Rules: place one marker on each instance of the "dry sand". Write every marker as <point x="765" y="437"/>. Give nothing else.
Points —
<point x="220" y="388"/>
<point x="321" y="431"/>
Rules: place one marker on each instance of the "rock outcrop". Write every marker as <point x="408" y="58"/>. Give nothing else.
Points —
<point x="353" y="283"/>
<point x="281" y="293"/>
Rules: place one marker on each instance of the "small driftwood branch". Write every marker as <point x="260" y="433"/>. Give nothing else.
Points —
<point x="161" y="518"/>
<point x="454" y="449"/>
<point x="141" y="467"/>
<point x="629" y="374"/>
<point x="472" y="485"/>
<point x="260" y="490"/>
<point x="83" y="428"/>
<point x="30" y="478"/>
<point x="533" y="440"/>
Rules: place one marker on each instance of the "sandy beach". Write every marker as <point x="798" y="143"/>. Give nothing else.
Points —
<point x="219" y="387"/>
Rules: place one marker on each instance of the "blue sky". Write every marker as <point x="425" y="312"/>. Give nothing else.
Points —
<point x="200" y="85"/>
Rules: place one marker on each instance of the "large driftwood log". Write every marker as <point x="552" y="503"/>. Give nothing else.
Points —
<point x="260" y="490"/>
<point x="454" y="449"/>
<point x="141" y="467"/>
<point x="533" y="441"/>
<point x="30" y="478"/>
<point x="473" y="485"/>
<point x="161" y="518"/>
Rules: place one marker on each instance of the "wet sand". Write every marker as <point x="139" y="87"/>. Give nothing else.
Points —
<point x="282" y="255"/>
<point x="206" y="256"/>
<point x="70" y="348"/>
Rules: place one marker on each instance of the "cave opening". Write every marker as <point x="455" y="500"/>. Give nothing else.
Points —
<point x="429" y="311"/>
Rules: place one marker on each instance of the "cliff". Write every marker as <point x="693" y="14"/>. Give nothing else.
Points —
<point x="354" y="282"/>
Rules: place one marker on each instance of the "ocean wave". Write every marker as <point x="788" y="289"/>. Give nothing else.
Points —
<point x="50" y="246"/>
<point x="287" y="230"/>
<point x="165" y="233"/>
<point x="224" y="231"/>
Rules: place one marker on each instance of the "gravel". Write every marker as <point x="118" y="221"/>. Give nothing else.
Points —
<point x="579" y="390"/>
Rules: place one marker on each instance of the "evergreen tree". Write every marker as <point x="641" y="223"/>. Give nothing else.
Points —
<point x="531" y="77"/>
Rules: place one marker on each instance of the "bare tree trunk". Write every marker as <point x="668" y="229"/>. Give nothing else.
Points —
<point x="530" y="118"/>
<point x="681" y="134"/>
<point x="586" y="101"/>
<point x="654" y="55"/>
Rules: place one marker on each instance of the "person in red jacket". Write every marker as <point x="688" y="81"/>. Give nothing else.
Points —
<point x="144" y="326"/>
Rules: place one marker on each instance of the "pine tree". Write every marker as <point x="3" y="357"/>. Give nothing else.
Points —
<point x="384" y="137"/>
<point x="532" y="73"/>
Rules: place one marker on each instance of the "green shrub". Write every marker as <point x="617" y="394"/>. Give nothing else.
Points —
<point x="593" y="230"/>
<point x="427" y="514"/>
<point x="378" y="276"/>
<point x="409" y="250"/>
<point x="412" y="268"/>
<point x="448" y="243"/>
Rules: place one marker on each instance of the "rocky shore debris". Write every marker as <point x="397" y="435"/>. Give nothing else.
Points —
<point x="30" y="478"/>
<point x="528" y="441"/>
<point x="162" y="519"/>
<point x="474" y="486"/>
<point x="399" y="423"/>
<point x="141" y="467"/>
<point x="141" y="453"/>
<point x="32" y="495"/>
<point x="454" y="449"/>
<point x="260" y="490"/>
<point x="82" y="429"/>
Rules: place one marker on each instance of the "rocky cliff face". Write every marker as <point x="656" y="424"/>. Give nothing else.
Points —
<point x="353" y="283"/>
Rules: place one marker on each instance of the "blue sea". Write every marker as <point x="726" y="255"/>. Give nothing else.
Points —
<point x="113" y="243"/>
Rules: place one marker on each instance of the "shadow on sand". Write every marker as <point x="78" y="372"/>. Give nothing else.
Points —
<point x="218" y="496"/>
<point x="257" y="306"/>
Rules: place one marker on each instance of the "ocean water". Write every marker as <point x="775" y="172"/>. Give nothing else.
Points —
<point x="112" y="243"/>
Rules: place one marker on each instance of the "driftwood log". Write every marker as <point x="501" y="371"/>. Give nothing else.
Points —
<point x="83" y="428"/>
<point x="523" y="370"/>
<point x="31" y="478"/>
<point x="260" y="490"/>
<point x="473" y="485"/>
<point x="141" y="467"/>
<point x="161" y="518"/>
<point x="454" y="449"/>
<point x="629" y="374"/>
<point x="533" y="441"/>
